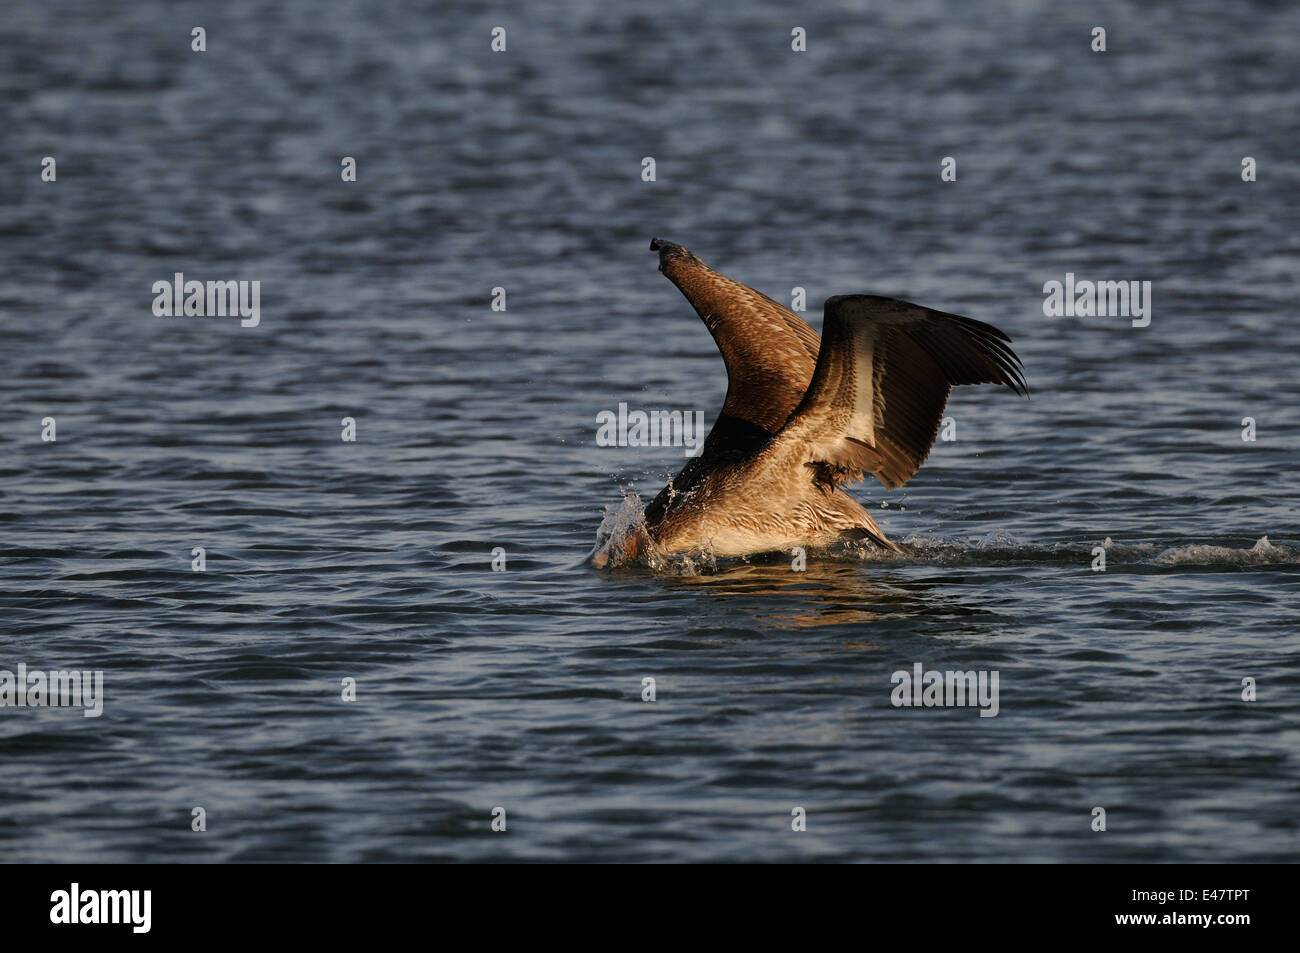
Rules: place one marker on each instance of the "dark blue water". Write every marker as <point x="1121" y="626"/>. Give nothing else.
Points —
<point x="476" y="429"/>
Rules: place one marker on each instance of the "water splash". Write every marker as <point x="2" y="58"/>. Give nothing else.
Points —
<point x="621" y="519"/>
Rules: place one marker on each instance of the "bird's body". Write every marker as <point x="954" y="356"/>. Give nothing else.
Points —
<point x="804" y="414"/>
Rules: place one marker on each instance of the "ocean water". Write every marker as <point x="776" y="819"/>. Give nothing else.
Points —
<point x="476" y="431"/>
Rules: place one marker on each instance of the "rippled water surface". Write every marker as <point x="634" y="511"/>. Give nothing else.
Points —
<point x="476" y="429"/>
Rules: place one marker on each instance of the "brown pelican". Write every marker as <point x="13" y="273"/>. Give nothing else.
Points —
<point x="804" y="415"/>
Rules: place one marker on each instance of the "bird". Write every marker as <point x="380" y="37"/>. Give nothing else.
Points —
<point x="805" y="415"/>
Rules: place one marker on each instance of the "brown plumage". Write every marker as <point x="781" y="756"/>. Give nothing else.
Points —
<point x="804" y="415"/>
<point x="769" y="351"/>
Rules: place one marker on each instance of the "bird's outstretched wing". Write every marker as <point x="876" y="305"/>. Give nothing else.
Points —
<point x="769" y="351"/>
<point x="883" y="376"/>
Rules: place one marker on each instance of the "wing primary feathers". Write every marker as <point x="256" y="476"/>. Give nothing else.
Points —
<point x="882" y="382"/>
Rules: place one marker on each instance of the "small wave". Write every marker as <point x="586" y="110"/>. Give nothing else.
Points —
<point x="1203" y="555"/>
<point x="1001" y="547"/>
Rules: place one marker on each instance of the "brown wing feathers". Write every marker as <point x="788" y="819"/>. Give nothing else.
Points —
<point x="866" y="397"/>
<point x="769" y="351"/>
<point x="881" y="383"/>
<point x="910" y="392"/>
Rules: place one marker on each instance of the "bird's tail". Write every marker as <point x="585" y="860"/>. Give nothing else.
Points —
<point x="874" y="533"/>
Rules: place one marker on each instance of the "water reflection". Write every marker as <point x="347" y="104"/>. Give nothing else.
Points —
<point x="775" y="596"/>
